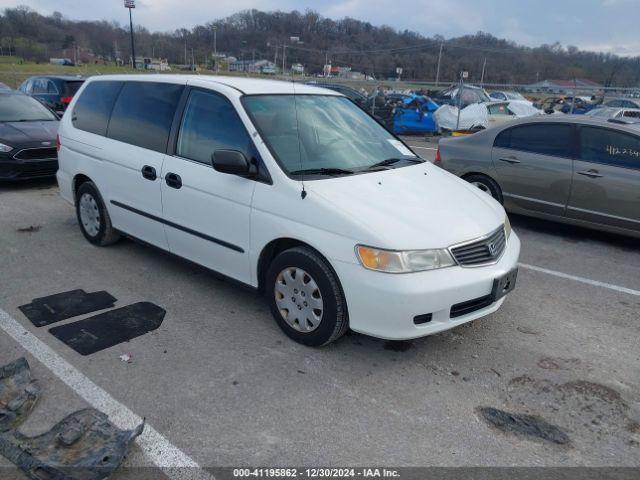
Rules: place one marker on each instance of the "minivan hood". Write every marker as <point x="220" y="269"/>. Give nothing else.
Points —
<point x="17" y="133"/>
<point x="414" y="207"/>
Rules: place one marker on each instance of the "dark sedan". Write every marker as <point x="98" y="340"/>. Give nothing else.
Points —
<point x="55" y="91"/>
<point x="27" y="138"/>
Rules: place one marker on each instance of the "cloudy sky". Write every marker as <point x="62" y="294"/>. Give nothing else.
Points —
<point x="602" y="25"/>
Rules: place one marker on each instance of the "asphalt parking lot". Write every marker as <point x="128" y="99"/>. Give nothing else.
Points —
<point x="220" y="385"/>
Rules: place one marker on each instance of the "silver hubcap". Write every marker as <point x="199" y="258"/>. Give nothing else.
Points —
<point x="89" y="214"/>
<point x="482" y="186"/>
<point x="298" y="299"/>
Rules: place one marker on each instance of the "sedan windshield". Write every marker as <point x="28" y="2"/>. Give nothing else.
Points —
<point x="514" y="96"/>
<point x="324" y="135"/>
<point x="21" y="108"/>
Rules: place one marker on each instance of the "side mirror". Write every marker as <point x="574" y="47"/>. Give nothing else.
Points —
<point x="232" y="162"/>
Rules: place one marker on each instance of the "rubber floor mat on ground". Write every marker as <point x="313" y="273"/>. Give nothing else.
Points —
<point x="110" y="328"/>
<point x="61" y="306"/>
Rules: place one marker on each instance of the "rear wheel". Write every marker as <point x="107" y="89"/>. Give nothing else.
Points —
<point x="93" y="217"/>
<point x="486" y="184"/>
<point x="305" y="297"/>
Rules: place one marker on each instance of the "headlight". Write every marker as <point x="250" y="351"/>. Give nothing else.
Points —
<point x="507" y="226"/>
<point x="5" y="148"/>
<point x="393" y="261"/>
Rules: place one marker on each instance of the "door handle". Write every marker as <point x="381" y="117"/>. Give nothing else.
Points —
<point x="149" y="172"/>
<point x="591" y="173"/>
<point x="173" y="180"/>
<point x="511" y="160"/>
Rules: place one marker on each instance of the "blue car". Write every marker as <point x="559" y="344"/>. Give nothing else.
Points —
<point x="414" y="115"/>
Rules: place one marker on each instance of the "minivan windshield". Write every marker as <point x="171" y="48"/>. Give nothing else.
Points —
<point x="324" y="135"/>
<point x="22" y="108"/>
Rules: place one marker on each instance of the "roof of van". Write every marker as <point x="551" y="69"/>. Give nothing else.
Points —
<point x="246" y="85"/>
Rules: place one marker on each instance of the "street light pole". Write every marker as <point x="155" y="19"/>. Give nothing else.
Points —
<point x="131" y="4"/>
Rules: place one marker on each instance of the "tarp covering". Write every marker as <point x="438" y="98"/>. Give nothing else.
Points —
<point x="523" y="108"/>
<point x="473" y="116"/>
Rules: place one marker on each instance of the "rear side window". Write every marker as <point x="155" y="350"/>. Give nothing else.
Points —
<point x="70" y="88"/>
<point x="210" y="123"/>
<point x="545" y="139"/>
<point x="611" y="147"/>
<point x="143" y="114"/>
<point x="92" y="110"/>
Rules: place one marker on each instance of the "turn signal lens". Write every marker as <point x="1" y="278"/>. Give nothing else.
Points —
<point x="393" y="261"/>
<point x="507" y="226"/>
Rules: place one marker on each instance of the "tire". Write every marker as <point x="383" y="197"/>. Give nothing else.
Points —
<point x="304" y="274"/>
<point x="93" y="216"/>
<point x="486" y="184"/>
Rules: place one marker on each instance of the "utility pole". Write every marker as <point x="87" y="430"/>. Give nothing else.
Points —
<point x="482" y="76"/>
<point x="438" y="69"/>
<point x="131" y="4"/>
<point x="284" y="56"/>
<point x="215" y="46"/>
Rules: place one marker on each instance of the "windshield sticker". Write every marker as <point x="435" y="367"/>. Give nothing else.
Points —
<point x="612" y="150"/>
<point x="400" y="147"/>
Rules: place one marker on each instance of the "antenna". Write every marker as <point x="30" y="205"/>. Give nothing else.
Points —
<point x="303" y="193"/>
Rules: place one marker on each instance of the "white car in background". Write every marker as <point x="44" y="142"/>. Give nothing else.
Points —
<point x="631" y="114"/>
<point x="292" y="190"/>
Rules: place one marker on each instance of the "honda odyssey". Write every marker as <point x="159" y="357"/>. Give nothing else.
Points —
<point x="292" y="190"/>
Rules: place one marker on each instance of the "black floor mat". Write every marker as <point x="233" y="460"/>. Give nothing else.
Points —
<point x="47" y="310"/>
<point x="110" y="328"/>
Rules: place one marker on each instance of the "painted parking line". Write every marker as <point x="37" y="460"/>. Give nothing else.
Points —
<point x="588" y="281"/>
<point x="174" y="463"/>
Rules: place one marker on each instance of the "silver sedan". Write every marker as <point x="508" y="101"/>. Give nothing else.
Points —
<point x="569" y="168"/>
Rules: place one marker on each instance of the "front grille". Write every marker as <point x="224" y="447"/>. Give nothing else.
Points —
<point x="463" y="308"/>
<point x="485" y="250"/>
<point x="47" y="153"/>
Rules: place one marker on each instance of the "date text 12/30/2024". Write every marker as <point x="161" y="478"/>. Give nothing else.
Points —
<point x="315" y="473"/>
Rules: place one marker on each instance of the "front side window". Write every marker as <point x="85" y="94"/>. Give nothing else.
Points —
<point x="545" y="139"/>
<point x="324" y="134"/>
<point x="611" y="147"/>
<point x="21" y="108"/>
<point x="210" y="123"/>
<point x="143" y="114"/>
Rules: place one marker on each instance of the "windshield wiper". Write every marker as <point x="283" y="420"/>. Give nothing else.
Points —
<point x="323" y="171"/>
<point x="392" y="161"/>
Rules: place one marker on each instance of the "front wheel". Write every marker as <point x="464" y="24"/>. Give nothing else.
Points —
<point x="305" y="297"/>
<point x="486" y="184"/>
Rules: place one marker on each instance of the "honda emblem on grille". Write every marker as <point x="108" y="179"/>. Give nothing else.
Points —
<point x="493" y="250"/>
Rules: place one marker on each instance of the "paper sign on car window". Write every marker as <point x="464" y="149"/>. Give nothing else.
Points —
<point x="400" y="147"/>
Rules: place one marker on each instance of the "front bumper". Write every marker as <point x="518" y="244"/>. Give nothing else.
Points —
<point x="384" y="305"/>
<point x="12" y="169"/>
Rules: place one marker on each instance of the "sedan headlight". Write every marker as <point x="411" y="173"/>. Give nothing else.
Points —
<point x="507" y="226"/>
<point x="394" y="261"/>
<point x="5" y="148"/>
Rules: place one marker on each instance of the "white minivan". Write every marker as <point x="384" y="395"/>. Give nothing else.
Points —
<point x="292" y="190"/>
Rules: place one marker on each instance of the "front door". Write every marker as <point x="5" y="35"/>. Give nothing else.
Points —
<point x="606" y="178"/>
<point x="534" y="167"/>
<point x="207" y="213"/>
